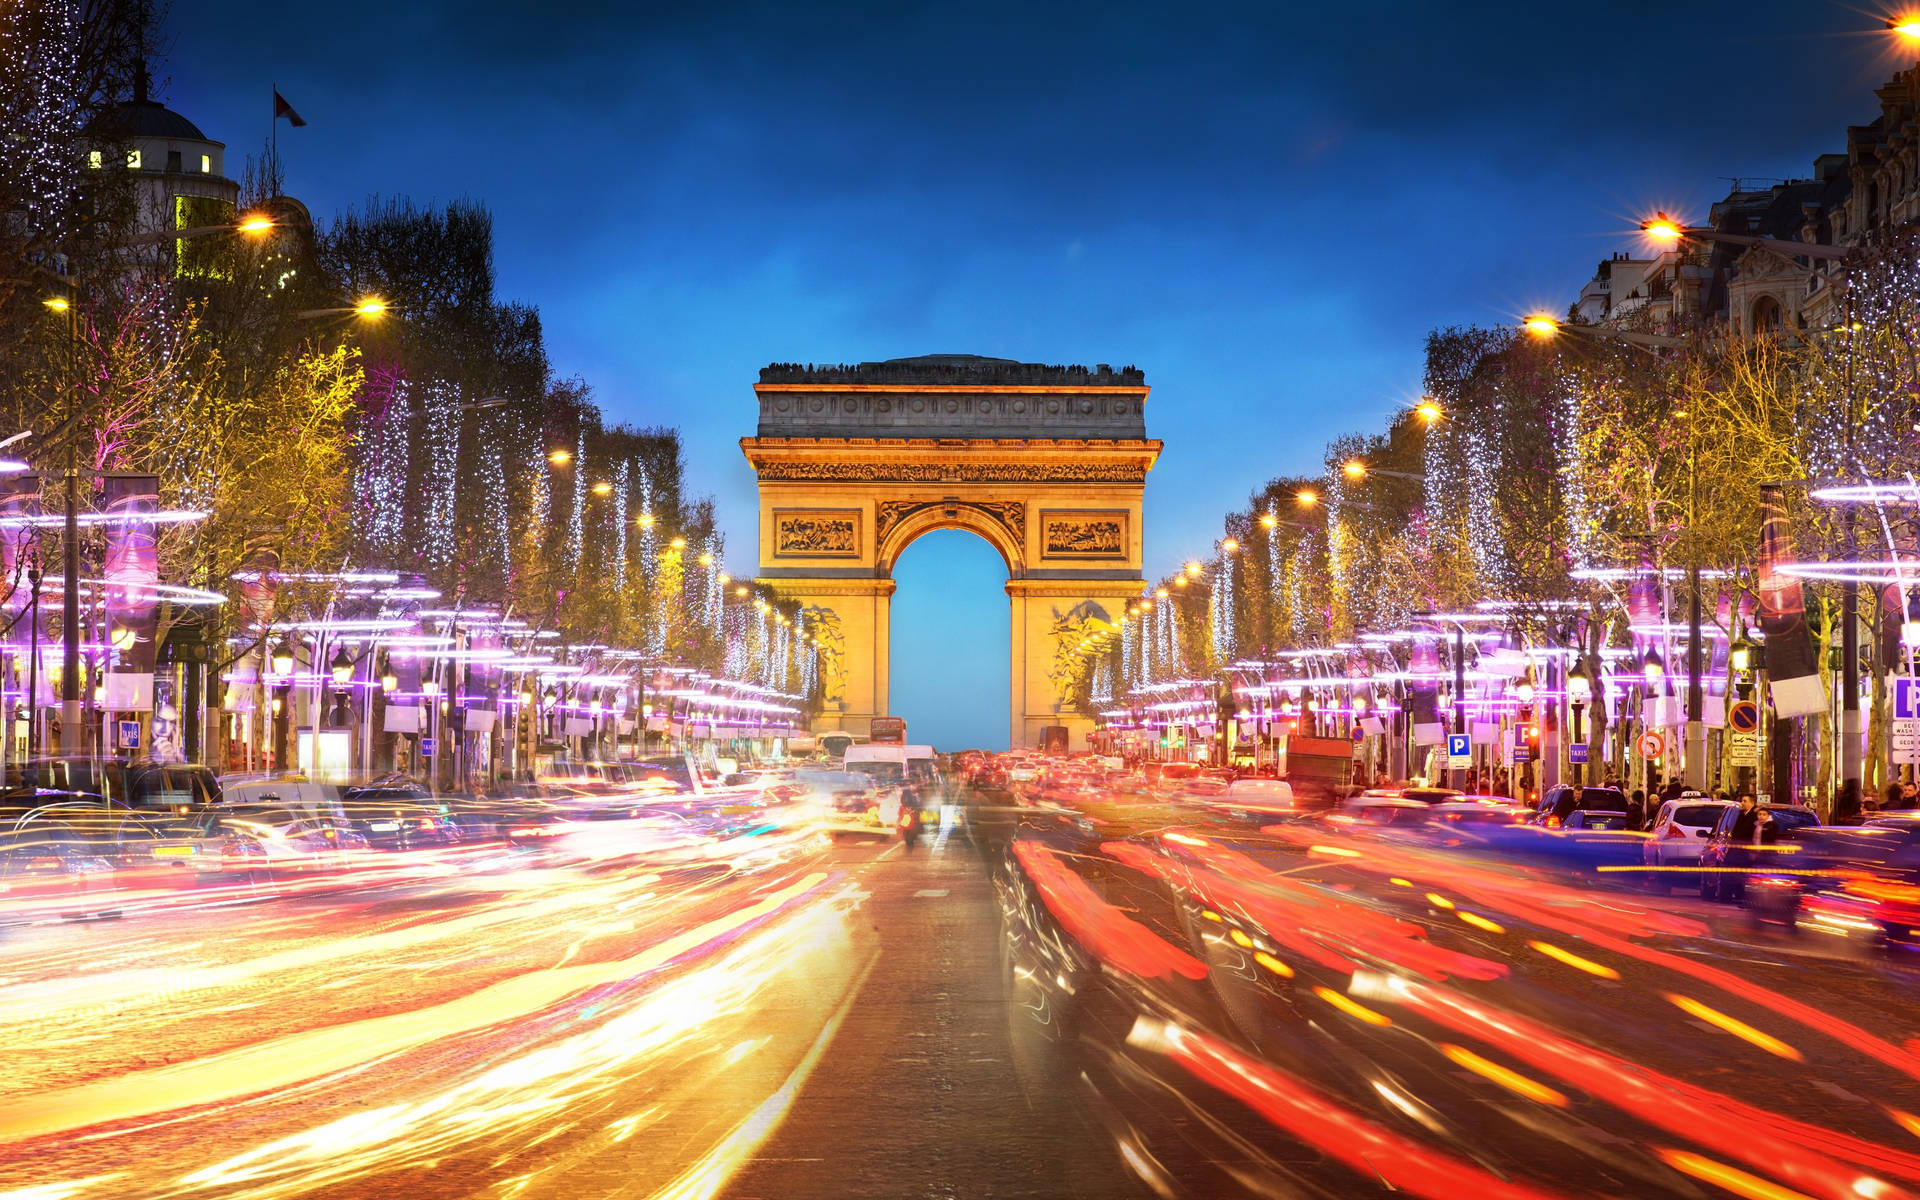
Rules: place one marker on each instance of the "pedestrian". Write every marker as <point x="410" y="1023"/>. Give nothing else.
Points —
<point x="1636" y="809"/>
<point x="1847" y="809"/>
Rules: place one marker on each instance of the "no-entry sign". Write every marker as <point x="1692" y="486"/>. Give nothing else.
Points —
<point x="1651" y="744"/>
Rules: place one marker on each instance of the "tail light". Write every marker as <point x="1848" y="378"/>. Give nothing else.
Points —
<point x="424" y="823"/>
<point x="1674" y="831"/>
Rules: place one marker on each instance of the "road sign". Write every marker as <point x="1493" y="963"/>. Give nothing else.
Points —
<point x="1743" y="716"/>
<point x="427" y="746"/>
<point x="1521" y="751"/>
<point x="129" y="735"/>
<point x="1577" y="752"/>
<point x="1906" y="699"/>
<point x="1743" y="749"/>
<point x="1459" y="751"/>
<point x="1905" y="740"/>
<point x="1651" y="745"/>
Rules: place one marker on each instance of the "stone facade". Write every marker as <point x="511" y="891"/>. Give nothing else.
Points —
<point x="1047" y="464"/>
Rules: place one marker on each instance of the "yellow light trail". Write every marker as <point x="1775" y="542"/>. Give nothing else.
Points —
<point x="1513" y="1081"/>
<point x="1573" y="960"/>
<point x="1734" y="1026"/>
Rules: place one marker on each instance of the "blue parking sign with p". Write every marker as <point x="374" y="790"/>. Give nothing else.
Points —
<point x="1906" y="699"/>
<point x="1459" y="745"/>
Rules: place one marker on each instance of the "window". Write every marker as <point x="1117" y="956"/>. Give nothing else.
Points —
<point x="173" y="161"/>
<point x="133" y="160"/>
<point x="206" y="164"/>
<point x="93" y="159"/>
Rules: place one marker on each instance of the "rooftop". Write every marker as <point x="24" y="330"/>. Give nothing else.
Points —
<point x="951" y="370"/>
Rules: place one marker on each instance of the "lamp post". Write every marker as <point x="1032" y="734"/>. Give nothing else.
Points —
<point x="1579" y="690"/>
<point x="282" y="664"/>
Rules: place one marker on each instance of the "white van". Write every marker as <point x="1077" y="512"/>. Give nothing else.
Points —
<point x="886" y="765"/>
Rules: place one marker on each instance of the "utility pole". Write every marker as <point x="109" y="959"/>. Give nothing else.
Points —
<point x="72" y="736"/>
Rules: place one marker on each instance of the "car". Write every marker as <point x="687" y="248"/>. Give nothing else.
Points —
<point x="1557" y="803"/>
<point x="1678" y="835"/>
<point x="1596" y="819"/>
<point x="137" y="852"/>
<point x="1256" y="795"/>
<point x="1730" y="855"/>
<point x="1857" y="883"/>
<point x="398" y="823"/>
<point x="262" y="842"/>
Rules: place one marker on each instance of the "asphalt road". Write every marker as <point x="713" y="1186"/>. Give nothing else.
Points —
<point x="1123" y="998"/>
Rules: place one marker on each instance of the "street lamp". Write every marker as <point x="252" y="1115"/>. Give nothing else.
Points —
<point x="1579" y="691"/>
<point x="1652" y="669"/>
<point x="341" y="667"/>
<point x="1542" y="326"/>
<point x="1428" y="411"/>
<point x="1356" y="470"/>
<point x="282" y="658"/>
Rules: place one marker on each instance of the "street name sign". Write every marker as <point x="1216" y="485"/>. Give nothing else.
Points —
<point x="1904" y="740"/>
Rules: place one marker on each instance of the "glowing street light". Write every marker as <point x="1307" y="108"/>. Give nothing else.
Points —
<point x="559" y="458"/>
<point x="282" y="658"/>
<point x="1230" y="546"/>
<point x="1652" y="669"/>
<point x="1429" y="411"/>
<point x="1307" y="497"/>
<point x="1662" y="228"/>
<point x="1268" y="520"/>
<point x="1541" y="325"/>
<point x="1907" y="26"/>
<point x="1194" y="569"/>
<point x="603" y="488"/>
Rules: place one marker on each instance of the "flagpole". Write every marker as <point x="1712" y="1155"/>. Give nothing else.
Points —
<point x="273" y="130"/>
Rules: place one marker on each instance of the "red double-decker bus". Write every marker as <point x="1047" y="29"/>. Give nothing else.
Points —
<point x="887" y="731"/>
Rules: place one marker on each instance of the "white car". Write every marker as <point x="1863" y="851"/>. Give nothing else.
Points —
<point x="1678" y="835"/>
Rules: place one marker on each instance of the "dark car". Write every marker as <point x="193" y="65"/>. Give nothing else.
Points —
<point x="258" y="843"/>
<point x="390" y="822"/>
<point x="1860" y="883"/>
<point x="114" y="847"/>
<point x="1736" y="848"/>
<point x="1558" y="803"/>
<point x="147" y="785"/>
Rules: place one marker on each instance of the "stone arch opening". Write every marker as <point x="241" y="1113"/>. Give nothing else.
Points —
<point x="949" y="658"/>
<point x="995" y="523"/>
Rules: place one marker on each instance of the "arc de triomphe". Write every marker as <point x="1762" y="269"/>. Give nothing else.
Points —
<point x="1048" y="464"/>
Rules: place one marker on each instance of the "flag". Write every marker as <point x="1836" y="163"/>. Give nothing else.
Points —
<point x="1794" y="679"/>
<point x="282" y="109"/>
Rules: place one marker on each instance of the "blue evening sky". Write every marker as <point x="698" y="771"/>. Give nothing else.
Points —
<point x="1265" y="206"/>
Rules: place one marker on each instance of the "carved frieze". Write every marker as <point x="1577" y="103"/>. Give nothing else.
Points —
<point x="816" y="533"/>
<point x="1083" y="534"/>
<point x="953" y="472"/>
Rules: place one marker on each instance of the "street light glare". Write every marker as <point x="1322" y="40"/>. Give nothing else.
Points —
<point x="57" y="303"/>
<point x="559" y="458"/>
<point x="1541" y="325"/>
<point x="372" y="307"/>
<point x="1308" y="497"/>
<point x="1907" y="26"/>
<point x="1230" y="546"/>
<point x="1355" y="469"/>
<point x="1428" y="411"/>
<point x="1268" y="520"/>
<point x="1193" y="569"/>
<point x="602" y="488"/>
<point x="1662" y="228"/>
<point x="256" y="225"/>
